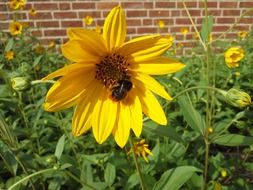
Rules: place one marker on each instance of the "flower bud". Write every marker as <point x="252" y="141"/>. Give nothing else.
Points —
<point x="20" y="83"/>
<point x="238" y="98"/>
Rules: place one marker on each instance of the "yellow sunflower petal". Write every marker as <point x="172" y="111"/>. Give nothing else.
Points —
<point x="82" y="118"/>
<point x="103" y="117"/>
<point x="79" y="51"/>
<point x="145" y="48"/>
<point x="69" y="69"/>
<point x="69" y="85"/>
<point x="114" y="31"/>
<point x="150" y="105"/>
<point x="91" y="39"/>
<point x="136" y="113"/>
<point x="153" y="85"/>
<point x="122" y="127"/>
<point x="158" y="66"/>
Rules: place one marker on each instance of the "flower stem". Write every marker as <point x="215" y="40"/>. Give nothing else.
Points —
<point x="137" y="164"/>
<point x="30" y="176"/>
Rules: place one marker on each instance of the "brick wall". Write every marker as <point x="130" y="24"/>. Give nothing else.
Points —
<point x="53" y="17"/>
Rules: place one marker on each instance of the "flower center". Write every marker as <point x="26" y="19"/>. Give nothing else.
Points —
<point x="112" y="69"/>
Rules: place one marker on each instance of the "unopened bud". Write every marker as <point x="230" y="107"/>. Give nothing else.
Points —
<point x="238" y="98"/>
<point x="20" y="83"/>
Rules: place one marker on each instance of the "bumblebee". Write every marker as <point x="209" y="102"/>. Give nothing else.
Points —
<point x="120" y="91"/>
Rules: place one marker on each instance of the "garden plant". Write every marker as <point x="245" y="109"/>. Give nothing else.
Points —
<point x="103" y="112"/>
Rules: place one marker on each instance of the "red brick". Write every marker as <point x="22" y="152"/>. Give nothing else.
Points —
<point x="213" y="12"/>
<point x="226" y="20"/>
<point x="64" y="6"/>
<point x="175" y="13"/>
<point x="184" y="21"/>
<point x="145" y="30"/>
<point x="83" y="5"/>
<point x="131" y="30"/>
<point x="231" y="12"/>
<point x="4" y="26"/>
<point x="132" y="5"/>
<point x="188" y="4"/>
<point x="220" y="28"/>
<point x="147" y="22"/>
<point x="136" y="13"/>
<point x="148" y="5"/>
<point x="45" y="6"/>
<point x="4" y="16"/>
<point x="41" y="15"/>
<point x="246" y="20"/>
<point x="165" y="5"/>
<point x="65" y="15"/>
<point x="66" y="24"/>
<point x="209" y="4"/>
<point x="241" y="27"/>
<point x="192" y="12"/>
<point x="156" y="13"/>
<point x="37" y="33"/>
<point x="246" y="4"/>
<point x="47" y="24"/>
<point x="106" y="5"/>
<point x="59" y="32"/>
<point x="133" y="22"/>
<point x="228" y="4"/>
<point x="94" y="14"/>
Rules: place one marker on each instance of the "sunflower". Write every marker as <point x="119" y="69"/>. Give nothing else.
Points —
<point x="109" y="81"/>
<point x="15" y="28"/>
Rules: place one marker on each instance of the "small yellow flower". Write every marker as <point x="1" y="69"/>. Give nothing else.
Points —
<point x="233" y="55"/>
<point x="180" y="45"/>
<point x="161" y="24"/>
<point x="111" y="77"/>
<point x="223" y="173"/>
<point x="14" y="5"/>
<point x="15" y="28"/>
<point x="210" y="37"/>
<point x="88" y="20"/>
<point x="184" y="31"/>
<point x="32" y="12"/>
<point x="98" y="29"/>
<point x="242" y="34"/>
<point x="9" y="55"/>
<point x="21" y="3"/>
<point x="210" y="130"/>
<point x="141" y="149"/>
<point x="51" y="45"/>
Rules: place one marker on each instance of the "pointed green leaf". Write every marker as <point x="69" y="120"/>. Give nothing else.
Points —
<point x="175" y="178"/>
<point x="162" y="131"/>
<point x="206" y="28"/>
<point x="109" y="174"/>
<point x="233" y="140"/>
<point x="9" y="44"/>
<point x="59" y="147"/>
<point x="192" y="117"/>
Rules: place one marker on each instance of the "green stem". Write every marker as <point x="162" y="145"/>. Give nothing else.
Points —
<point x="30" y="176"/>
<point x="137" y="164"/>
<point x="207" y="147"/>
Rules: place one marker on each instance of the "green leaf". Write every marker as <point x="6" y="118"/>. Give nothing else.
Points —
<point x="173" y="179"/>
<point x="162" y="131"/>
<point x="60" y="147"/>
<point x="206" y="28"/>
<point x="9" y="44"/>
<point x="233" y="140"/>
<point x="192" y="117"/>
<point x="109" y="174"/>
<point x="8" y="158"/>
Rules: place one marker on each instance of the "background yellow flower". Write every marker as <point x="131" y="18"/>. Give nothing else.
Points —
<point x="15" y="28"/>
<point x="184" y="31"/>
<point x="88" y="20"/>
<point x="9" y="55"/>
<point x="233" y="55"/>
